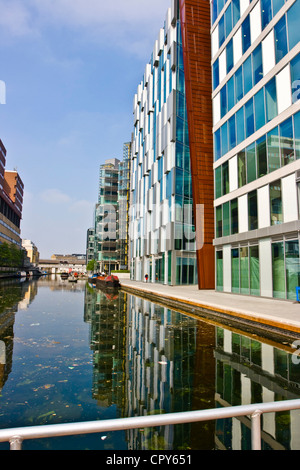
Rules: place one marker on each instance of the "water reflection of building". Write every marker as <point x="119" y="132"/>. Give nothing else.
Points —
<point x="248" y="371"/>
<point x="107" y="315"/>
<point x="11" y="297"/>
<point x="161" y="372"/>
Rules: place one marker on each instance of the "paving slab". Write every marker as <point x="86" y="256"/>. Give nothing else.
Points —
<point x="281" y="314"/>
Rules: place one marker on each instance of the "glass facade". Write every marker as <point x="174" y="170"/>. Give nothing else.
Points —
<point x="162" y="220"/>
<point x="256" y="92"/>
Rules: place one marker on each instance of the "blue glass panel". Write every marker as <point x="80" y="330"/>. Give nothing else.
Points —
<point x="286" y="141"/>
<point x="280" y="39"/>
<point x="221" y="4"/>
<point x="247" y="74"/>
<point x="257" y="65"/>
<point x="229" y="55"/>
<point x="230" y="93"/>
<point x="223" y="98"/>
<point x="235" y="11"/>
<point x="271" y="100"/>
<point x="293" y="16"/>
<point x="232" y="132"/>
<point x="295" y="78"/>
<point x="214" y="11"/>
<point x="228" y="20"/>
<point x="266" y="12"/>
<point x="216" y="78"/>
<point x="221" y="31"/>
<point x="297" y="134"/>
<point x="277" y="4"/>
<point x="246" y="36"/>
<point x="224" y="139"/>
<point x="217" y="144"/>
<point x="259" y="106"/>
<point x="238" y="85"/>
<point x="249" y="118"/>
<point x="240" y="126"/>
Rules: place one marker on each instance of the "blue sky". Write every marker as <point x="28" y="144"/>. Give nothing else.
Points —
<point x="71" y="69"/>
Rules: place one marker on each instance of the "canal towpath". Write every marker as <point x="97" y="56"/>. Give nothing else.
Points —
<point x="275" y="315"/>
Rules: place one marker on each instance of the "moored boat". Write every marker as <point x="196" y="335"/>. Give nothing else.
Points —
<point x="105" y="282"/>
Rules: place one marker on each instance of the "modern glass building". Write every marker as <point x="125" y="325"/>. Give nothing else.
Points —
<point x="106" y="217"/>
<point x="123" y="207"/>
<point x="163" y="179"/>
<point x="256" y="130"/>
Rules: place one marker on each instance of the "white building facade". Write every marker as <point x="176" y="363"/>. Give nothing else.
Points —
<point x="161" y="217"/>
<point x="256" y="128"/>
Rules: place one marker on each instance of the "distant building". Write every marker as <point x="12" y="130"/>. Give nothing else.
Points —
<point x="11" y="202"/>
<point x="32" y="252"/>
<point x="105" y="219"/>
<point x="90" y="245"/>
<point x="123" y="207"/>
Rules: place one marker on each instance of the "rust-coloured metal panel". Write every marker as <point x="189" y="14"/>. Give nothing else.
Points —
<point x="196" y="42"/>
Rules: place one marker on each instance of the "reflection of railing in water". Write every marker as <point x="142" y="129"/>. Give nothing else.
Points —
<point x="16" y="436"/>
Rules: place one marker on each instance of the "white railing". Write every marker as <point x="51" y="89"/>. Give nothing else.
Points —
<point x="16" y="436"/>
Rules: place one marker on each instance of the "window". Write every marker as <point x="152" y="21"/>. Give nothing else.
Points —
<point x="238" y="77"/>
<point x="221" y="31"/>
<point x="259" y="105"/>
<point x="218" y="182"/>
<point x="216" y="79"/>
<point x="231" y="132"/>
<point x="254" y="270"/>
<point x="235" y="270"/>
<point x="224" y="138"/>
<point x="273" y="150"/>
<point x="277" y="4"/>
<point x="235" y="11"/>
<point x="295" y="78"/>
<point x="271" y="100"/>
<point x="246" y="37"/>
<point x="251" y="163"/>
<point x="230" y="93"/>
<point x="292" y="268"/>
<point x="225" y="178"/>
<point x="249" y="117"/>
<point x="228" y="20"/>
<point x="280" y="39"/>
<point x="244" y="269"/>
<point x="252" y="211"/>
<point x="247" y="74"/>
<point x="219" y="225"/>
<point x="266" y="13"/>
<point x="219" y="256"/>
<point x="286" y="141"/>
<point x="293" y="16"/>
<point x="241" y="168"/>
<point x="276" y="203"/>
<point x="278" y="270"/>
<point x="257" y="64"/>
<point x="240" y="126"/>
<point x="261" y="152"/>
<point x="223" y="99"/>
<point x="297" y="134"/>
<point x="226" y="219"/>
<point x="229" y="56"/>
<point x="234" y="217"/>
<point x="217" y="144"/>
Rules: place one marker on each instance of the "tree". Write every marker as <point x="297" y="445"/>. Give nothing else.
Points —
<point x="91" y="265"/>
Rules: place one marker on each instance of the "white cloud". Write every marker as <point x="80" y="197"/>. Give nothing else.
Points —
<point x="55" y="196"/>
<point x="122" y="23"/>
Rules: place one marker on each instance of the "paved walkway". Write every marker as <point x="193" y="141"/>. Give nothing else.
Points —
<point x="281" y="314"/>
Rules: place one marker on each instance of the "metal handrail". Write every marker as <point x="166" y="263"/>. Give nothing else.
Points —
<point x="16" y="436"/>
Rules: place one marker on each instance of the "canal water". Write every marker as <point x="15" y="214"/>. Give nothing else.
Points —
<point x="70" y="353"/>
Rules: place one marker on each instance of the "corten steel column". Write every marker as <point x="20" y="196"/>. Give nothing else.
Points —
<point x="195" y="25"/>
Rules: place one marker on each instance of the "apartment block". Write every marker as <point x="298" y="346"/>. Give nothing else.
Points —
<point x="256" y="130"/>
<point x="11" y="202"/>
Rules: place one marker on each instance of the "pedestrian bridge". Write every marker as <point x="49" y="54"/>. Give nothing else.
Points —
<point x="54" y="266"/>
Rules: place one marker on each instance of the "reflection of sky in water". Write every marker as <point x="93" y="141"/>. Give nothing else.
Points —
<point x="72" y="354"/>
